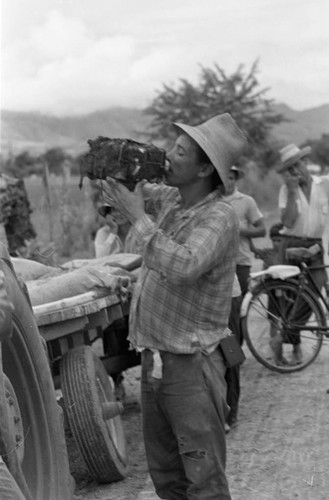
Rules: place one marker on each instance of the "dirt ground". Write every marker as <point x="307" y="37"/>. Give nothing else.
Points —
<point x="279" y="451"/>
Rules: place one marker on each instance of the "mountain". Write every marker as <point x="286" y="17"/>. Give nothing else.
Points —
<point x="302" y="125"/>
<point x="36" y="132"/>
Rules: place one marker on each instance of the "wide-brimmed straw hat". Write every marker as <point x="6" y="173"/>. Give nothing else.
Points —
<point x="291" y="154"/>
<point x="238" y="172"/>
<point x="222" y="141"/>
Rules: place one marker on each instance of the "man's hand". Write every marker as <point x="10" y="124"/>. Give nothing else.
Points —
<point x="291" y="181"/>
<point x="129" y="203"/>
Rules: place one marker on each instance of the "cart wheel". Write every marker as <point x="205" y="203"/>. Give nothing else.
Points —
<point x="90" y="404"/>
<point x="32" y="440"/>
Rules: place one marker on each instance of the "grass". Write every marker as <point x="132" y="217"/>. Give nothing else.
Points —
<point x="63" y="214"/>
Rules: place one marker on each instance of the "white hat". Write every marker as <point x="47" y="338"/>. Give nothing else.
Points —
<point x="290" y="154"/>
<point x="222" y="141"/>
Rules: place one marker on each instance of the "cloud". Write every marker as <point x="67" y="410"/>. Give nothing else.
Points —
<point x="62" y="67"/>
<point x="99" y="55"/>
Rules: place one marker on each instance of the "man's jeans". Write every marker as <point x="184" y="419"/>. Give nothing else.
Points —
<point x="183" y="423"/>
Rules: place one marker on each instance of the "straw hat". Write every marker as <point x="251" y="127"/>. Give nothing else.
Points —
<point x="221" y="140"/>
<point x="291" y="154"/>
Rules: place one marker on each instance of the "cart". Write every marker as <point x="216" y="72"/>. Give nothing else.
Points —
<point x="86" y="338"/>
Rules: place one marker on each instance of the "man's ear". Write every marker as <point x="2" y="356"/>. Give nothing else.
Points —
<point x="206" y="169"/>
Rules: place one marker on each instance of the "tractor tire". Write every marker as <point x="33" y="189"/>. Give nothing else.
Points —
<point x="32" y="436"/>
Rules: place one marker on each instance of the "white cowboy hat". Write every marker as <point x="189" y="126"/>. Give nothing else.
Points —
<point x="221" y="140"/>
<point x="291" y="154"/>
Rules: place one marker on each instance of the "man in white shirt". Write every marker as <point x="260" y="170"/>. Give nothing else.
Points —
<point x="304" y="205"/>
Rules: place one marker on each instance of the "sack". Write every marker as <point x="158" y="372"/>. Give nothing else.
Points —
<point x="77" y="282"/>
<point x="28" y="270"/>
<point x="231" y="351"/>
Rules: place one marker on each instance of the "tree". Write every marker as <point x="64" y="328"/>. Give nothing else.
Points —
<point x="55" y="158"/>
<point x="20" y="166"/>
<point x="216" y="93"/>
<point x="320" y="150"/>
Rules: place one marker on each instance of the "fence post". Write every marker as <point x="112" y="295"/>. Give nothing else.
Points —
<point x="49" y="207"/>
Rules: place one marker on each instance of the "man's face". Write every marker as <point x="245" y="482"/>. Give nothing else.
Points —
<point x="185" y="165"/>
<point x="298" y="170"/>
<point x="231" y="183"/>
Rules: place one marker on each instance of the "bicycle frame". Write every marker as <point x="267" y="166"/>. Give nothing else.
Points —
<point x="303" y="278"/>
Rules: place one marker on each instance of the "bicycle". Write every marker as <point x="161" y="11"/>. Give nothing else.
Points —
<point x="270" y="311"/>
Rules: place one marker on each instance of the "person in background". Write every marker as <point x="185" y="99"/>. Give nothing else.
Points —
<point x="251" y="225"/>
<point x="115" y="236"/>
<point x="272" y="255"/>
<point x="111" y="237"/>
<point x="180" y="308"/>
<point x="304" y="207"/>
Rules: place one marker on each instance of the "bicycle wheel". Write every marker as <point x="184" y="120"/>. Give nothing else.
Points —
<point x="271" y="329"/>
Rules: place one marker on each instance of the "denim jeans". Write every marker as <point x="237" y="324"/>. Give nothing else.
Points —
<point x="183" y="424"/>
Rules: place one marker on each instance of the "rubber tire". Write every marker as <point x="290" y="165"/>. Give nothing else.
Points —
<point x="45" y="464"/>
<point x="278" y="284"/>
<point x="85" y="385"/>
<point x="9" y="489"/>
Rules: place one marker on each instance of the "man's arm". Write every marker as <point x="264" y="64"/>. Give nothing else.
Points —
<point x="256" y="231"/>
<point x="255" y="227"/>
<point x="288" y="201"/>
<point x="184" y="263"/>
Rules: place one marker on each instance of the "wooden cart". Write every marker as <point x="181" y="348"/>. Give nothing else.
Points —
<point x="86" y="338"/>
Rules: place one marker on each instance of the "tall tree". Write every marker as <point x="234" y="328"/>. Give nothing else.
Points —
<point x="320" y="150"/>
<point x="216" y="92"/>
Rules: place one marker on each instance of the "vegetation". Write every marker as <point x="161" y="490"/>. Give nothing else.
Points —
<point x="55" y="160"/>
<point x="215" y="93"/>
<point x="65" y="218"/>
<point x="320" y="150"/>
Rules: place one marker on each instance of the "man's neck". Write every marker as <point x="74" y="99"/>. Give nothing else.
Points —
<point x="235" y="190"/>
<point x="193" y="194"/>
<point x="306" y="187"/>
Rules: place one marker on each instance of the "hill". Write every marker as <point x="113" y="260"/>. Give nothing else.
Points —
<point x="302" y="125"/>
<point x="36" y="132"/>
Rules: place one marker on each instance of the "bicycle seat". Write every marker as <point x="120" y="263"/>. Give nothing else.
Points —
<point x="303" y="254"/>
<point x="280" y="271"/>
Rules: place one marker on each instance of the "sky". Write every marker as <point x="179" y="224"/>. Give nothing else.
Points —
<point x="69" y="57"/>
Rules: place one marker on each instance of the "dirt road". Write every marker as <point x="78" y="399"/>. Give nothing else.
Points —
<point x="279" y="451"/>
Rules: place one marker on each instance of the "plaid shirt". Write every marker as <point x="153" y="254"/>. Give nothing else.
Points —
<point x="182" y="298"/>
